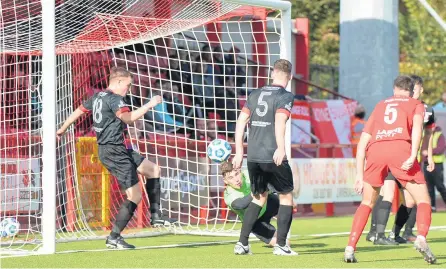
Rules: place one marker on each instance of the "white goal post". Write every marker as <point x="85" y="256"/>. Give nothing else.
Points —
<point x="57" y="189"/>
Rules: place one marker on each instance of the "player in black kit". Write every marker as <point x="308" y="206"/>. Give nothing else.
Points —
<point x="267" y="110"/>
<point x="110" y="114"/>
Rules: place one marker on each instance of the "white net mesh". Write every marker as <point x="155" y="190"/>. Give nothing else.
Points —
<point x="203" y="71"/>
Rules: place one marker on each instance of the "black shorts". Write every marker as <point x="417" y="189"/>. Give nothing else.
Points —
<point x="280" y="177"/>
<point x="122" y="163"/>
<point x="263" y="229"/>
<point x="391" y="177"/>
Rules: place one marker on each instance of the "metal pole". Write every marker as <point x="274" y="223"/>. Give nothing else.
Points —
<point x="49" y="127"/>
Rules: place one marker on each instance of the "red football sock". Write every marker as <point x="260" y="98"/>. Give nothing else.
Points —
<point x="359" y="222"/>
<point x="424" y="217"/>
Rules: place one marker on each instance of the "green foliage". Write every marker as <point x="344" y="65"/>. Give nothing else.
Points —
<point x="422" y="40"/>
<point x="324" y="28"/>
<point x="423" y="46"/>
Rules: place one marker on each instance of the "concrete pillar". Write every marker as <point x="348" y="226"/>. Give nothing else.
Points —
<point x="369" y="50"/>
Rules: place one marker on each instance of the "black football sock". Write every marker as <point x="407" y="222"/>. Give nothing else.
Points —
<point x="284" y="218"/>
<point x="250" y="218"/>
<point x="401" y="218"/>
<point x="123" y="217"/>
<point x="382" y="216"/>
<point x="153" y="189"/>
<point x="374" y="214"/>
<point x="411" y="221"/>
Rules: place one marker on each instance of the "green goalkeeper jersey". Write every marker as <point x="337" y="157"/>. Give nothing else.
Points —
<point x="232" y="194"/>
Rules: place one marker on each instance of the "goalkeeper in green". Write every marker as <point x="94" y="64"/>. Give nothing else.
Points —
<point x="237" y="196"/>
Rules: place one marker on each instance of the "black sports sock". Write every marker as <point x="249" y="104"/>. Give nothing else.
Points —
<point x="411" y="221"/>
<point x="374" y="214"/>
<point x="284" y="218"/>
<point x="401" y="218"/>
<point x="382" y="216"/>
<point x="123" y="217"/>
<point x="250" y="218"/>
<point x="153" y="189"/>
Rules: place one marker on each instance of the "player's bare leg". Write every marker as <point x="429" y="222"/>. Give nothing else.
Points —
<point x="123" y="217"/>
<point x="370" y="194"/>
<point x="382" y="212"/>
<point x="151" y="172"/>
<point x="252" y="212"/>
<point x="424" y="216"/>
<point x="284" y="219"/>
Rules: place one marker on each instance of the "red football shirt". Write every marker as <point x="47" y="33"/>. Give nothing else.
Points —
<point x="392" y="119"/>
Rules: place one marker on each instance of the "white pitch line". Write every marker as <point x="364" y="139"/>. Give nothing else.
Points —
<point x="433" y="228"/>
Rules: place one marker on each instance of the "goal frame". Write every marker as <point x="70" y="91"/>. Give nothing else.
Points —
<point x="49" y="76"/>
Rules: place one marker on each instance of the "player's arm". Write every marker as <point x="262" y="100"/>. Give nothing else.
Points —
<point x="242" y="121"/>
<point x="283" y="112"/>
<point x="81" y="110"/>
<point x="364" y="140"/>
<point x="129" y="117"/>
<point x="417" y="130"/>
<point x="360" y="152"/>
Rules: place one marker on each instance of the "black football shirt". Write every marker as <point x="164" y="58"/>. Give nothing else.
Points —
<point x="262" y="106"/>
<point x="105" y="107"/>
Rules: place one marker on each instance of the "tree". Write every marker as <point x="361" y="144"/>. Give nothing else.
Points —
<point x="423" y="46"/>
<point x="422" y="40"/>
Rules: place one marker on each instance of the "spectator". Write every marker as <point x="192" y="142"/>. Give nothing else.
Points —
<point x="434" y="179"/>
<point x="219" y="70"/>
<point x="212" y="131"/>
<point x="203" y="86"/>
<point x="441" y="106"/>
<point x="357" y="126"/>
<point x="206" y="55"/>
<point x="199" y="132"/>
<point x="227" y="106"/>
<point x="165" y="121"/>
<point x="234" y="69"/>
<point x="174" y="106"/>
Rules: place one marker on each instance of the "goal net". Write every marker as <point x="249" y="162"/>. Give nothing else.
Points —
<point x="204" y="57"/>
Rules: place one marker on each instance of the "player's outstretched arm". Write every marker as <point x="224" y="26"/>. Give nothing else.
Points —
<point x="131" y="116"/>
<point x="70" y="120"/>
<point x="242" y="120"/>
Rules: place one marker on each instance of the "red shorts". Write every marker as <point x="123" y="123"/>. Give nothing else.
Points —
<point x="386" y="156"/>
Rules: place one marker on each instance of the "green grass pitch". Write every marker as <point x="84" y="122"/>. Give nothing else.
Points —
<point x="314" y="251"/>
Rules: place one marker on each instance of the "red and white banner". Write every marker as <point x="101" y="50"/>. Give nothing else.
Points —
<point x="331" y="122"/>
<point x="324" y="180"/>
<point x="300" y="123"/>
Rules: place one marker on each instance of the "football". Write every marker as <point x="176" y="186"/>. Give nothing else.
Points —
<point x="219" y="150"/>
<point x="9" y="227"/>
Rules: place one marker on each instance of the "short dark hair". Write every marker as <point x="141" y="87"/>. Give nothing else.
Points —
<point x="119" y="72"/>
<point x="283" y="66"/>
<point x="226" y="167"/>
<point x="417" y="80"/>
<point x="404" y="83"/>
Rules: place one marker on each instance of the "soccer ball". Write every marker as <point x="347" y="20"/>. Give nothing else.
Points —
<point x="219" y="150"/>
<point x="9" y="227"/>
